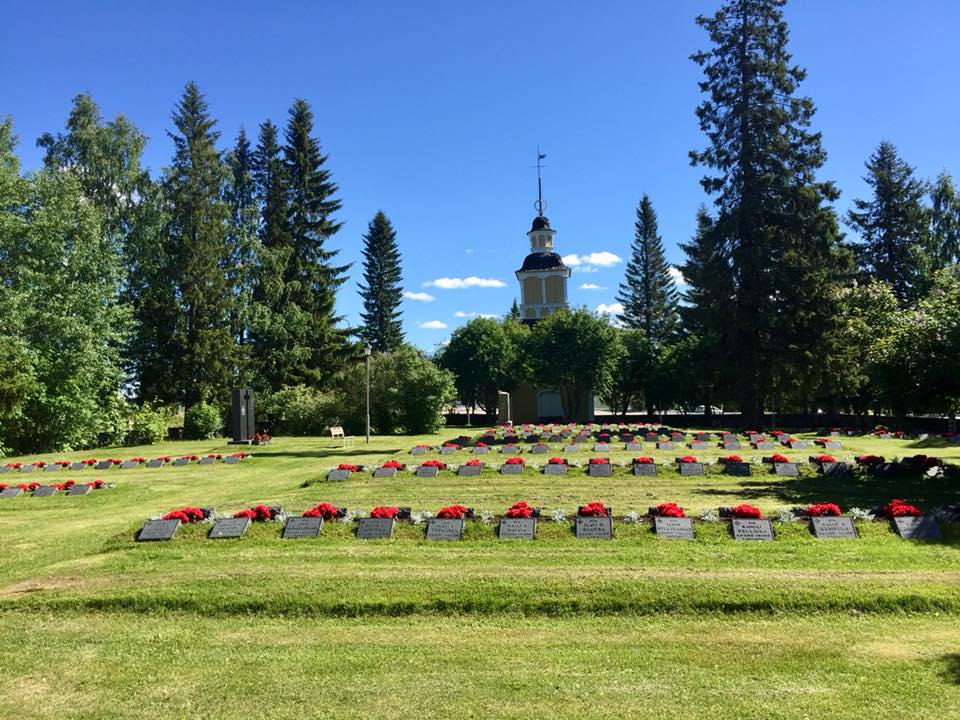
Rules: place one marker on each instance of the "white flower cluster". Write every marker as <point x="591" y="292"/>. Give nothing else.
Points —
<point x="419" y="518"/>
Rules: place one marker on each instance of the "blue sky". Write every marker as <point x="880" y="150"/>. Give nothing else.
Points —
<point x="432" y="111"/>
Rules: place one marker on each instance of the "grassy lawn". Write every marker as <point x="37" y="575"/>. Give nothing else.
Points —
<point x="333" y="627"/>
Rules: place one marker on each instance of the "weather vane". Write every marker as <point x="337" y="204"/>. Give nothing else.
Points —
<point x="540" y="205"/>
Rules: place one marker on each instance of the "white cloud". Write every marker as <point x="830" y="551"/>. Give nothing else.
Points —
<point x="677" y="276"/>
<point x="591" y="286"/>
<point x="421" y="296"/>
<point x="611" y="309"/>
<point x="447" y="283"/>
<point x="602" y="258"/>
<point x="462" y="314"/>
<point x="433" y="325"/>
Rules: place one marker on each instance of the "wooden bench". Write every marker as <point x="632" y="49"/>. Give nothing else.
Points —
<point x="336" y="433"/>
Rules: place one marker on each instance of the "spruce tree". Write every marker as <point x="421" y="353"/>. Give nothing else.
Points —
<point x="773" y="217"/>
<point x="945" y="221"/>
<point x="242" y="240"/>
<point x="892" y="224"/>
<point x="648" y="294"/>
<point x="198" y="236"/>
<point x="382" y="290"/>
<point x="514" y="313"/>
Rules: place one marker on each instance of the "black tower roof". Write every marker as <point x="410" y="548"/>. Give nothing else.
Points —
<point x="539" y="223"/>
<point x="542" y="261"/>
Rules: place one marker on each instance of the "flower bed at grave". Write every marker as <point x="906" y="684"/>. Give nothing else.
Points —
<point x="349" y="466"/>
<point x="777" y="458"/>
<point x="323" y="510"/>
<point x="385" y="512"/>
<point x="215" y="456"/>
<point x="439" y="464"/>
<point x="453" y="445"/>
<point x="870" y="459"/>
<point x="63" y="463"/>
<point x="747" y="512"/>
<point x="824" y="510"/>
<point x="473" y="462"/>
<point x="599" y="461"/>
<point x="14" y="465"/>
<point x="393" y="464"/>
<point x="643" y="460"/>
<point x="688" y="459"/>
<point x="96" y="484"/>
<point x="823" y="458"/>
<point x="593" y="509"/>
<point x="481" y="444"/>
<point x="185" y="515"/>
<point x="898" y="508"/>
<point x="520" y="510"/>
<point x="923" y="461"/>
<point x="557" y="461"/>
<point x="89" y="462"/>
<point x="190" y="458"/>
<point x="668" y="510"/>
<point x="138" y="460"/>
<point x="258" y="513"/>
<point x="240" y="454"/>
<point x="455" y="512"/>
<point x="513" y="461"/>
<point x="731" y="459"/>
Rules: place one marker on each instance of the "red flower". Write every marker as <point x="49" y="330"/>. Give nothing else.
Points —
<point x="898" y="508"/>
<point x="451" y="445"/>
<point x="778" y="458"/>
<point x="89" y="461"/>
<point x="824" y="510"/>
<point x="520" y="510"/>
<point x="138" y="460"/>
<point x="825" y="459"/>
<point x="393" y="464"/>
<point x="758" y="439"/>
<point x="14" y="465"/>
<point x="422" y="445"/>
<point x="870" y="459"/>
<point x="97" y="484"/>
<point x="215" y="456"/>
<point x="39" y="463"/>
<point x="434" y="463"/>
<point x="513" y="461"/>
<point x="747" y="511"/>
<point x="593" y="509"/>
<point x="241" y="454"/>
<point x="456" y="512"/>
<point x="472" y="462"/>
<point x="186" y="515"/>
<point x="384" y="512"/>
<point x="643" y="461"/>
<point x="732" y="459"/>
<point x="791" y="439"/>
<point x="669" y="510"/>
<point x="69" y="484"/>
<point x="116" y="461"/>
<point x="777" y="432"/>
<point x="33" y="486"/>
<point x="259" y="513"/>
<point x="556" y="461"/>
<point x="481" y="443"/>
<point x="599" y="461"/>
<point x="688" y="459"/>
<point x="348" y="466"/>
<point x="63" y="463"/>
<point x="323" y="510"/>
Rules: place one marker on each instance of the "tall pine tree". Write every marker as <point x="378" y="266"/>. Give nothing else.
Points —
<point x="945" y="221"/>
<point x="199" y="247"/>
<point x="892" y="224"/>
<point x="773" y="217"/>
<point x="382" y="290"/>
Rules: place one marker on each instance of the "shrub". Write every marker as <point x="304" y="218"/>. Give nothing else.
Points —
<point x="149" y="426"/>
<point x="298" y="410"/>
<point x="202" y="422"/>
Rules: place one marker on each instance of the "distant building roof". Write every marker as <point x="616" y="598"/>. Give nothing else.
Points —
<point x="539" y="223"/>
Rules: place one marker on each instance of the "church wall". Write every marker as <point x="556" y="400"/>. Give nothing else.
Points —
<point x="554" y="285"/>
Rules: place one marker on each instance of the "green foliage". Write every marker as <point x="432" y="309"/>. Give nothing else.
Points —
<point x="483" y="356"/>
<point x="408" y="393"/>
<point x="382" y="290"/>
<point x="634" y="369"/>
<point x="577" y="353"/>
<point x="149" y="425"/>
<point x="944" y="221"/>
<point x="299" y="410"/>
<point x="202" y="421"/>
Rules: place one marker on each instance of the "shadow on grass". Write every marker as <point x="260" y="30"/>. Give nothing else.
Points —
<point x="951" y="669"/>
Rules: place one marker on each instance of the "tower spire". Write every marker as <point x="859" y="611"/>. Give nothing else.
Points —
<point x="540" y="205"/>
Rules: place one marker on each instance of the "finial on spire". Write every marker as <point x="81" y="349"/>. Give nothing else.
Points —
<point x="540" y="205"/>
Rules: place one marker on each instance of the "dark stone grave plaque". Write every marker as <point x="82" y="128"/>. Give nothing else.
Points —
<point x="510" y="439"/>
<point x="752" y="529"/>
<point x="633" y="446"/>
<point x="786" y="469"/>
<point x="4" y="469"/>
<point x="664" y="446"/>
<point x="698" y="445"/>
<point x="737" y="469"/>
<point x="691" y="469"/>
<point x="79" y="490"/>
<point x="154" y="463"/>
<point x="594" y="528"/>
<point x="651" y="437"/>
<point x="702" y="437"/>
<point x="517" y="528"/>
<point x="469" y="470"/>
<point x="445" y="529"/>
<point x="554" y="469"/>
<point x="731" y="446"/>
<point x="45" y="491"/>
<point x="539" y="450"/>
<point x="830" y="528"/>
<point x="799" y="445"/>
<point x="601" y="447"/>
<point x="833" y="445"/>
<point x="206" y="461"/>
<point x="375" y="528"/>
<point x="384" y="472"/>
<point x="886" y="469"/>
<point x="601" y="470"/>
<point x="765" y="445"/>
<point x="418" y="451"/>
<point x="571" y="448"/>
<point x="11" y="492"/>
<point x="673" y="528"/>
<point x="556" y="438"/>
<point x="229" y="528"/>
<point x="532" y="439"/>
<point x="448" y="450"/>
<point x="302" y="527"/>
<point x="427" y="471"/>
<point x="918" y="528"/>
<point x="129" y="464"/>
<point x="506" y="469"/>
<point x="52" y="467"/>
<point x="481" y="450"/>
<point x="644" y="469"/>
<point x="104" y="465"/>
<point x="179" y="462"/>
<point x="77" y="466"/>
<point x="835" y="469"/>
<point x="338" y="475"/>
<point x="28" y="468"/>
<point x="158" y="530"/>
<point x="232" y="459"/>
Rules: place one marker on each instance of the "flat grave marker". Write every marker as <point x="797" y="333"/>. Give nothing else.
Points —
<point x="375" y="528"/>
<point x="481" y="450"/>
<point x="179" y="462"/>
<point x="604" y="470"/>
<point x="651" y="437"/>
<point x="702" y="437"/>
<point x="448" y="450"/>
<point x="731" y="445"/>
<point x="302" y="527"/>
<point x="77" y="466"/>
<point x="445" y="529"/>
<point x="338" y="475"/>
<point x="689" y="469"/>
<point x="673" y="528"/>
<point x="129" y="464"/>
<point x="511" y="469"/>
<point x="886" y="469"/>
<point x="104" y="465"/>
<point x="28" y="468"/>
<point x="835" y="469"/>
<point x="155" y="530"/>
<point x="664" y="446"/>
<point x="918" y="528"/>
<point x="418" y="451"/>
<point x="427" y="471"/>
<point x="752" y="529"/>
<point x="764" y="445"/>
<point x="11" y="492"/>
<point x="601" y="447"/>
<point x="206" y="461"/>
<point x="832" y="528"/>
<point x="644" y="469"/>
<point x="229" y="528"/>
<point x="45" y="491"/>
<point x="52" y="467"/>
<point x="549" y="469"/>
<point x="833" y="445"/>
<point x="594" y="528"/>
<point x="698" y="445"/>
<point x="789" y="469"/>
<point x="737" y="469"/>
<point x="571" y="448"/>
<point x="232" y="459"/>
<point x="154" y="463"/>
<point x="384" y="472"/>
<point x="469" y="470"/>
<point x="4" y="469"/>
<point x="556" y="438"/>
<point x="517" y="528"/>
<point x="79" y="490"/>
<point x="633" y="446"/>
<point x="799" y="445"/>
<point x="539" y="450"/>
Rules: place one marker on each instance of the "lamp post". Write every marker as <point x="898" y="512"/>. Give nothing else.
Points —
<point x="367" y="351"/>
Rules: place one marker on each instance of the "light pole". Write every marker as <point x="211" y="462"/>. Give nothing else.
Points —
<point x="367" y="351"/>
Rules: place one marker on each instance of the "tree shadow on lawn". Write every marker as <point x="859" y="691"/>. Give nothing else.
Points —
<point x="847" y="491"/>
<point x="951" y="669"/>
<point x="332" y="452"/>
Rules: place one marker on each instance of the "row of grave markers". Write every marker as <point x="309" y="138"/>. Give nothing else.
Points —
<point x="46" y="491"/>
<point x="585" y="528"/>
<point x="125" y="465"/>
<point x="632" y="446"/>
